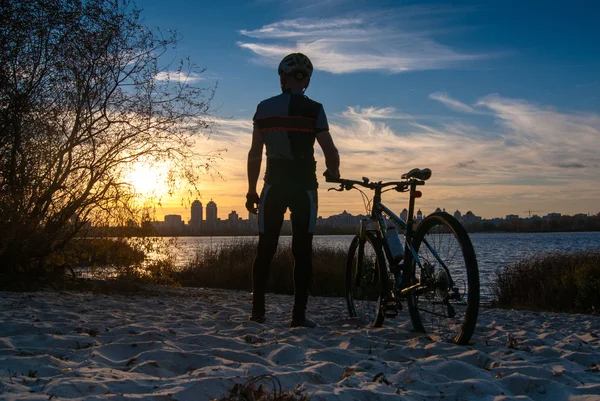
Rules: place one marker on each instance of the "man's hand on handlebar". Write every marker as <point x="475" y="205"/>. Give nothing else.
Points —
<point x="331" y="177"/>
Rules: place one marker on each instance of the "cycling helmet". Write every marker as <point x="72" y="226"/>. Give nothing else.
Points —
<point x="297" y="64"/>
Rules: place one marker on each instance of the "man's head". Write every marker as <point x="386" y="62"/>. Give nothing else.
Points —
<point x="295" y="71"/>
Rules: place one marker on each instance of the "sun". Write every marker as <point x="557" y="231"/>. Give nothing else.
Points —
<point x="148" y="180"/>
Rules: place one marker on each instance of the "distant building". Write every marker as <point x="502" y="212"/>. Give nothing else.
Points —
<point x="438" y="210"/>
<point x="233" y="216"/>
<point x="470" y="217"/>
<point x="419" y="215"/>
<point x="342" y="219"/>
<point x="458" y="215"/>
<point x="404" y="214"/>
<point x="197" y="214"/>
<point x="511" y="217"/>
<point x="496" y="221"/>
<point x="552" y="216"/>
<point x="211" y="212"/>
<point x="173" y="221"/>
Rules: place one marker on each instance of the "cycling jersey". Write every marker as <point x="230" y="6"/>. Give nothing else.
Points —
<point x="289" y="123"/>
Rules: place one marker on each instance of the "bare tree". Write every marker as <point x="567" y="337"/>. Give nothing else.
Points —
<point x="82" y="98"/>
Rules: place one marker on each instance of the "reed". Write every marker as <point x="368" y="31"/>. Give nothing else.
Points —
<point x="559" y="282"/>
<point x="230" y="267"/>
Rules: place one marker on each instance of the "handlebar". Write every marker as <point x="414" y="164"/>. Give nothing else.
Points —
<point x="413" y="177"/>
<point x="401" y="186"/>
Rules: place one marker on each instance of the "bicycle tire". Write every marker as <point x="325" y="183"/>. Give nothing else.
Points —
<point x="429" y="305"/>
<point x="365" y="287"/>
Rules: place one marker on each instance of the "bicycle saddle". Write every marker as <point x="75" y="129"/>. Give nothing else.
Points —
<point x="424" y="174"/>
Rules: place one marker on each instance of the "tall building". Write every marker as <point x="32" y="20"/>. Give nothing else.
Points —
<point x="211" y="212"/>
<point x="404" y="214"/>
<point x="458" y="215"/>
<point x="233" y="216"/>
<point x="419" y="215"/>
<point x="197" y="213"/>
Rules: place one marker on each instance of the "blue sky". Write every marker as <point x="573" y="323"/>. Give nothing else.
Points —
<point x="499" y="98"/>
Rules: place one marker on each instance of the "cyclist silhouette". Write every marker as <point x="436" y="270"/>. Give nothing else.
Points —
<point x="288" y="124"/>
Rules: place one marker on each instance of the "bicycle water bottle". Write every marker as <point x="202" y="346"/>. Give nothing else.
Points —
<point x="393" y="240"/>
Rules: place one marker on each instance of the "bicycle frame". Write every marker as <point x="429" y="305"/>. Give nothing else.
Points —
<point x="379" y="210"/>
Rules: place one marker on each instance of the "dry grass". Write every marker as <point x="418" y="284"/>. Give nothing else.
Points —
<point x="230" y="267"/>
<point x="560" y="282"/>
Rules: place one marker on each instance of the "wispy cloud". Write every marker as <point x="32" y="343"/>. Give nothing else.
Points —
<point x="570" y="165"/>
<point x="465" y="164"/>
<point x="453" y="104"/>
<point x="551" y="137"/>
<point x="178" y="76"/>
<point x="387" y="113"/>
<point x="549" y="151"/>
<point x="371" y="42"/>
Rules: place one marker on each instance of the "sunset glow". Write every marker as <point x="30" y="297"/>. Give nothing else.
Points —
<point x="149" y="181"/>
<point x="505" y="129"/>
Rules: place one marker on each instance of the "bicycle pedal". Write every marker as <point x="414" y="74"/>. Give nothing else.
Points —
<point x="390" y="308"/>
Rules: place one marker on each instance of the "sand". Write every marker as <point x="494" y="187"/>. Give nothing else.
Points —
<point x="195" y="344"/>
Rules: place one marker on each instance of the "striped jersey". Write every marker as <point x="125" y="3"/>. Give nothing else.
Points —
<point x="289" y="123"/>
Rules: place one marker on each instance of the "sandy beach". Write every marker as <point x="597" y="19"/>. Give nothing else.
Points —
<point x="195" y="344"/>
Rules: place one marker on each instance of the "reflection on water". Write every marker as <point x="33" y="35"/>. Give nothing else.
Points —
<point x="493" y="250"/>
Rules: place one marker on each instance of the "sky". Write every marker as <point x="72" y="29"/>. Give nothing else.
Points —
<point x="501" y="99"/>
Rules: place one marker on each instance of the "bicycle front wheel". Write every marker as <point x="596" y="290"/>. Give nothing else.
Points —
<point x="446" y="300"/>
<point x="364" y="285"/>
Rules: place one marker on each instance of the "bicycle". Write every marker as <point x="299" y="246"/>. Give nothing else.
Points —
<point x="435" y="271"/>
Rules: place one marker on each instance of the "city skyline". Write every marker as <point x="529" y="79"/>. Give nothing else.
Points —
<point x="347" y="223"/>
<point x="199" y="207"/>
<point x="499" y="99"/>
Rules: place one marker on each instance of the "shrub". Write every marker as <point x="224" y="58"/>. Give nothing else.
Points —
<point x="560" y="282"/>
<point x="230" y="267"/>
<point x="91" y="257"/>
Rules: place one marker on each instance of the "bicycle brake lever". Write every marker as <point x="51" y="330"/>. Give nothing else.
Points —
<point x="335" y="189"/>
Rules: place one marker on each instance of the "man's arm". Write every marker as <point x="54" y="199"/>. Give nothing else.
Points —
<point x="254" y="160"/>
<point x="332" y="157"/>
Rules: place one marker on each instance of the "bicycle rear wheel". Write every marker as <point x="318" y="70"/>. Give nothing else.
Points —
<point x="364" y="285"/>
<point x="446" y="302"/>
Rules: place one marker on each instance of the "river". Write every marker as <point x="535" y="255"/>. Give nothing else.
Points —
<point x="493" y="250"/>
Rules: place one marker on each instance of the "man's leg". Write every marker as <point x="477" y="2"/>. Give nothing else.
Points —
<point x="304" y="212"/>
<point x="270" y="218"/>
